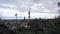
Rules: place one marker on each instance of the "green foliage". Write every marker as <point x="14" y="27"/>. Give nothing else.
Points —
<point x="21" y="29"/>
<point x="51" y="27"/>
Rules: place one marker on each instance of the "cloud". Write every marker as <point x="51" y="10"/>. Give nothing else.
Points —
<point x="35" y="1"/>
<point x="10" y="7"/>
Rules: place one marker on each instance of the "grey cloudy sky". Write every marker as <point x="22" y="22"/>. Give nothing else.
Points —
<point x="42" y="8"/>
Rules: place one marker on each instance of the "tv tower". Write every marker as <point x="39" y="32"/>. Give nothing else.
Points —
<point x="29" y="14"/>
<point x="28" y="22"/>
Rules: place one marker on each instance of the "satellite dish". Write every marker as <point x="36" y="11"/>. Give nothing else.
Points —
<point x="15" y="14"/>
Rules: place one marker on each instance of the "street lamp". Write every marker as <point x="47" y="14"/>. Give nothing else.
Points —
<point x="16" y="24"/>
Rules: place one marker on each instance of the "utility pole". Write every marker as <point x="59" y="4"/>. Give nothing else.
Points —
<point x="16" y="24"/>
<point x="59" y="8"/>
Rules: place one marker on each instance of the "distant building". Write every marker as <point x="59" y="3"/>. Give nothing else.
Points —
<point x="26" y="23"/>
<point x="12" y="23"/>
